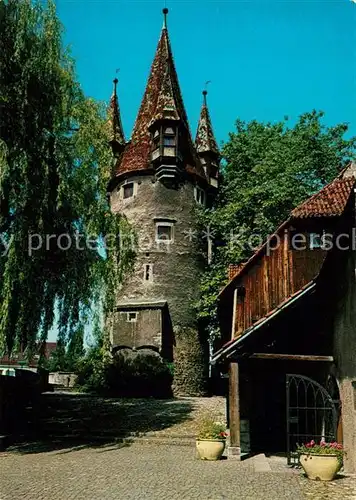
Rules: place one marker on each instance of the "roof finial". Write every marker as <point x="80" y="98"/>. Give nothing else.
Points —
<point x="205" y="91"/>
<point x="165" y="12"/>
<point x="116" y="81"/>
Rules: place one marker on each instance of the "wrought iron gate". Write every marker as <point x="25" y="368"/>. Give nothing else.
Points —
<point x="311" y="414"/>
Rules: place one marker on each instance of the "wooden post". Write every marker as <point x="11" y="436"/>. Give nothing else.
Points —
<point x="234" y="450"/>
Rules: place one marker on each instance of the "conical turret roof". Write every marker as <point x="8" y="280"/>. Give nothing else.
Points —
<point x="116" y="130"/>
<point x="162" y="100"/>
<point x="205" y="141"/>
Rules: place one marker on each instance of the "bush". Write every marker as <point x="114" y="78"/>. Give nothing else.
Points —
<point x="209" y="429"/>
<point x="127" y="374"/>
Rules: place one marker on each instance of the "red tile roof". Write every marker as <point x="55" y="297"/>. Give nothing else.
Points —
<point x="234" y="269"/>
<point x="162" y="99"/>
<point x="205" y="140"/>
<point x="328" y="202"/>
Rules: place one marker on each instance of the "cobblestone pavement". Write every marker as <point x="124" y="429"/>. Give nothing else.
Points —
<point x="137" y="472"/>
<point x="343" y="487"/>
<point x="82" y="416"/>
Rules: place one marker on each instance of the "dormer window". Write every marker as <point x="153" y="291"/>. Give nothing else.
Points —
<point x="169" y="141"/>
<point x="156" y="145"/>
<point x="164" y="142"/>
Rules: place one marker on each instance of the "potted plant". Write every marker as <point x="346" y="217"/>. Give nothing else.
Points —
<point x="211" y="439"/>
<point x="321" y="461"/>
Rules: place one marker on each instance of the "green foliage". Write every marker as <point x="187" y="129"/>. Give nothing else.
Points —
<point x="55" y="165"/>
<point x="66" y="358"/>
<point x="269" y="169"/>
<point x="209" y="429"/>
<point x="140" y="374"/>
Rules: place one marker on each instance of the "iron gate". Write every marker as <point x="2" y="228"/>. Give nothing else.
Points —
<point x="311" y="414"/>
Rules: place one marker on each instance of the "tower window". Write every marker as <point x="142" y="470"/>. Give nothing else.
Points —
<point x="148" y="272"/>
<point x="169" y="141"/>
<point x="131" y="317"/>
<point x="128" y="190"/>
<point x="164" y="232"/>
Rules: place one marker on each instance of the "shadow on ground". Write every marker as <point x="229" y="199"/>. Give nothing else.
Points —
<point x="75" y="421"/>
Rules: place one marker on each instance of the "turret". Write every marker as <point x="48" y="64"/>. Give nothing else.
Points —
<point x="206" y="145"/>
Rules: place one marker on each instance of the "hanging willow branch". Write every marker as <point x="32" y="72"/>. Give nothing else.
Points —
<point x="53" y="182"/>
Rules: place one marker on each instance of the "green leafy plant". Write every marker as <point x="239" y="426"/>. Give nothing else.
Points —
<point x="209" y="429"/>
<point x="324" y="448"/>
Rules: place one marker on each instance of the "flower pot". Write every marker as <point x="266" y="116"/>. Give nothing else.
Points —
<point x="210" y="449"/>
<point x="320" y="467"/>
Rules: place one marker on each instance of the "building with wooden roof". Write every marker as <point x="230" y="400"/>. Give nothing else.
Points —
<point x="288" y="319"/>
<point x="160" y="177"/>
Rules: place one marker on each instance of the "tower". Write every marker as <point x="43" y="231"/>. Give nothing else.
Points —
<point x="160" y="178"/>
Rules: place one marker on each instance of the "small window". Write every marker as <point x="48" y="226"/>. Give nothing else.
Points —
<point x="164" y="232"/>
<point x="169" y="131"/>
<point x="131" y="317"/>
<point x="148" y="272"/>
<point x="169" y="141"/>
<point x="128" y="190"/>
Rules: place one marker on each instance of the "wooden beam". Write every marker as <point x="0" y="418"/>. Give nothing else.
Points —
<point x="292" y="357"/>
<point x="234" y="450"/>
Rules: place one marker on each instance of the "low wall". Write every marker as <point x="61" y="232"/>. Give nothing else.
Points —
<point x="63" y="379"/>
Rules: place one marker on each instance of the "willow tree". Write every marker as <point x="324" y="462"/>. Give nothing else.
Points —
<point x="54" y="169"/>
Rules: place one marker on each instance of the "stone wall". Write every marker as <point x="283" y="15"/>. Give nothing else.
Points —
<point x="175" y="267"/>
<point x="63" y="379"/>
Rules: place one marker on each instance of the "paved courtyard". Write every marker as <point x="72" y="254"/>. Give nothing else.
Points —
<point x="148" y="471"/>
<point x="74" y="453"/>
<point x="136" y="472"/>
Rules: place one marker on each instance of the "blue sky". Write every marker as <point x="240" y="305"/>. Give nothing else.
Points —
<point x="265" y="59"/>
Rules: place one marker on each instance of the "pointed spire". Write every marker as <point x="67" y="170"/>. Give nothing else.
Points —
<point x="205" y="141"/>
<point x="117" y="137"/>
<point x="162" y="100"/>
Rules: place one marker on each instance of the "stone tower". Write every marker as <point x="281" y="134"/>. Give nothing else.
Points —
<point x="160" y="178"/>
